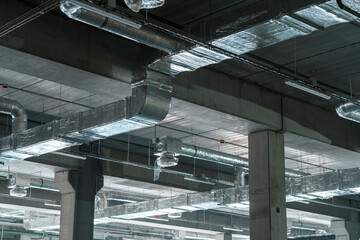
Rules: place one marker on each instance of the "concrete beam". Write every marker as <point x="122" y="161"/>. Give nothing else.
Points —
<point x="118" y="167"/>
<point x="27" y="204"/>
<point x="306" y="127"/>
<point x="210" y="220"/>
<point x="31" y="202"/>
<point x="55" y="37"/>
<point x="59" y="49"/>
<point x="320" y="209"/>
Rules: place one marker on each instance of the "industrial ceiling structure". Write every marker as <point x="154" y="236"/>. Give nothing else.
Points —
<point x="142" y="119"/>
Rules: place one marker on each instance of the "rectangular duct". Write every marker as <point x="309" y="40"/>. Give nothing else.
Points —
<point x="326" y="185"/>
<point x="259" y="36"/>
<point x="149" y="104"/>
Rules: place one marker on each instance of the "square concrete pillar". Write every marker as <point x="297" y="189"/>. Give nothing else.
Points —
<point x="78" y="189"/>
<point x="267" y="186"/>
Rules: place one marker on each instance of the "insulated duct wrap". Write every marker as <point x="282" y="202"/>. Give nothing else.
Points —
<point x="183" y="58"/>
<point x="259" y="36"/>
<point x="177" y="147"/>
<point x="148" y="105"/>
<point x="325" y="185"/>
<point x="353" y="4"/>
<point x="17" y="113"/>
<point x="100" y="18"/>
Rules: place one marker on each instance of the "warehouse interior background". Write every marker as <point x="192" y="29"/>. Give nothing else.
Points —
<point x="165" y="119"/>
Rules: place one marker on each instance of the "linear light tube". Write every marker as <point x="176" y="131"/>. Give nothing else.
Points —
<point x="308" y="90"/>
<point x="194" y="179"/>
<point x="233" y="229"/>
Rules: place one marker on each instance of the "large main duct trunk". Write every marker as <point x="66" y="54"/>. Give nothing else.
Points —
<point x="307" y="188"/>
<point x="149" y="104"/>
<point x="185" y="57"/>
<point x="273" y="31"/>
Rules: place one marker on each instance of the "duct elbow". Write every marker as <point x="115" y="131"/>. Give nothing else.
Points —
<point x="17" y="112"/>
<point x="150" y="100"/>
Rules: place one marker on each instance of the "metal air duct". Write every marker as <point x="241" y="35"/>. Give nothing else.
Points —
<point x="101" y="18"/>
<point x="149" y="104"/>
<point x="324" y="185"/>
<point x="349" y="111"/>
<point x="17" y="113"/>
<point x="176" y="147"/>
<point x="285" y="27"/>
<point x="186" y="57"/>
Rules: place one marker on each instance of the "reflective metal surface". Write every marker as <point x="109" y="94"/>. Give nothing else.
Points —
<point x="17" y="113"/>
<point x="148" y="105"/>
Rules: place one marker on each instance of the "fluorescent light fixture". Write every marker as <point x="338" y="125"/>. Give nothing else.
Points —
<point x="52" y="204"/>
<point x="303" y="228"/>
<point x="119" y="199"/>
<point x="199" y="180"/>
<point x="199" y="237"/>
<point x="157" y="219"/>
<point x="308" y="90"/>
<point x="233" y="229"/>
<point x="174" y="215"/>
<point x="106" y="13"/>
<point x="140" y="215"/>
<point x="188" y="208"/>
<point x="65" y="154"/>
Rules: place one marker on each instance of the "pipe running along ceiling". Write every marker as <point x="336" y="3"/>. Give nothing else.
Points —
<point x="176" y="147"/>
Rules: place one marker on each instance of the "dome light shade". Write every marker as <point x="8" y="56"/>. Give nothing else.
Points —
<point x="136" y="5"/>
<point x="167" y="159"/>
<point x="18" y="191"/>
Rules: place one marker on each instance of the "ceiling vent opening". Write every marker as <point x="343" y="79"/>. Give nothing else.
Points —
<point x="18" y="184"/>
<point x="167" y="159"/>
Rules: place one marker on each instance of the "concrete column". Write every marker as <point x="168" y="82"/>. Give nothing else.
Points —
<point x="78" y="189"/>
<point x="223" y="236"/>
<point x="267" y="186"/>
<point x="347" y="229"/>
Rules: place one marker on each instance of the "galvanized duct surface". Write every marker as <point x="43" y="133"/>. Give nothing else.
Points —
<point x="326" y="185"/>
<point x="259" y="36"/>
<point x="148" y="105"/>
<point x="123" y="27"/>
<point x="349" y="111"/>
<point x="177" y="147"/>
<point x="17" y="113"/>
<point x="182" y="58"/>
